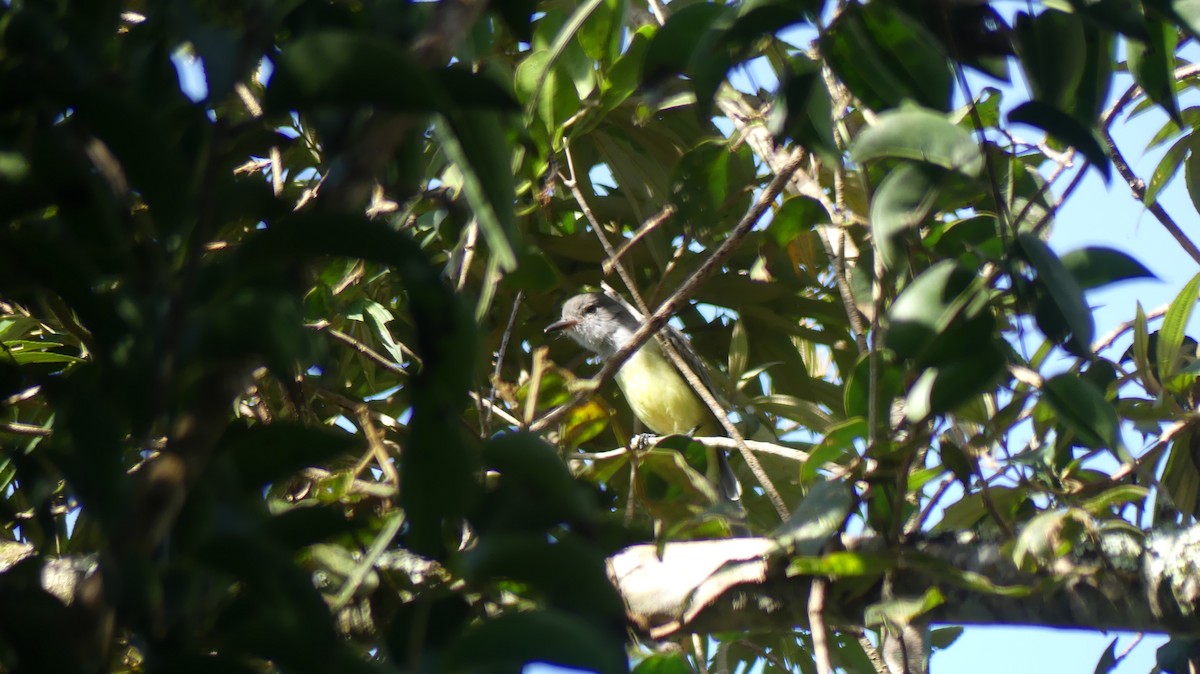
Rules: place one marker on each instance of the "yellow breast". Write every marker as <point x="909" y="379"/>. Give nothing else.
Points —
<point x="659" y="395"/>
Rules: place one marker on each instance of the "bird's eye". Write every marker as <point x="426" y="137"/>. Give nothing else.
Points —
<point x="590" y="309"/>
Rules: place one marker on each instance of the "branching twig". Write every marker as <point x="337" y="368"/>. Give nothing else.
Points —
<point x="1112" y="336"/>
<point x="380" y="359"/>
<point x="647" y="227"/>
<point x="486" y="424"/>
<point x="1136" y="184"/>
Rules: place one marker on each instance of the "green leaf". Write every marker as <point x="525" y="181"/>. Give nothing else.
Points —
<point x="1170" y="129"/>
<point x="947" y="386"/>
<point x="476" y="144"/>
<point x="739" y="350"/>
<point x="664" y="663"/>
<point x="1152" y="64"/>
<point x="1108" y="660"/>
<point x="1115" y="497"/>
<point x="530" y="465"/>
<point x="838" y="443"/>
<point x="1092" y="95"/>
<point x="672" y="47"/>
<point x="730" y="40"/>
<point x="841" y="565"/>
<point x="265" y="454"/>
<point x="1066" y="129"/>
<point x="509" y="642"/>
<point x="1180" y="479"/>
<point x="803" y="111"/>
<point x="1053" y="51"/>
<point x="818" y="517"/>
<point x="902" y="202"/>
<point x="601" y="31"/>
<point x="797" y="216"/>
<point x="942" y="296"/>
<point x="1141" y="352"/>
<point x="1191" y="174"/>
<point x="564" y="39"/>
<point x="1081" y="408"/>
<point x="1170" y="336"/>
<point x="889" y="382"/>
<point x="943" y="637"/>
<point x="342" y="68"/>
<point x="1063" y="314"/>
<point x="920" y="135"/>
<point x="625" y="74"/>
<point x="1049" y="536"/>
<point x="885" y="57"/>
<point x="712" y="183"/>
<point x="557" y="100"/>
<point x="1168" y="167"/>
<point x="378" y="317"/>
<point x="1184" y="12"/>
<point x="902" y="611"/>
<point x="1096" y="266"/>
<point x="568" y="572"/>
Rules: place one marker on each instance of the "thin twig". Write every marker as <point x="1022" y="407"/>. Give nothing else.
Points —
<point x="699" y="654"/>
<point x="508" y="330"/>
<point x="375" y="442"/>
<point x="493" y="408"/>
<point x="816" y="623"/>
<point x="380" y="359"/>
<point x="647" y="227"/>
<point x="356" y="485"/>
<point x="1107" y="340"/>
<point x="1136" y="184"/>
<point x="18" y="428"/>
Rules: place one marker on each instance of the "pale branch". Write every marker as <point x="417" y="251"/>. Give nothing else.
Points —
<point x="18" y="428"/>
<point x="716" y="442"/>
<point x="742" y="584"/>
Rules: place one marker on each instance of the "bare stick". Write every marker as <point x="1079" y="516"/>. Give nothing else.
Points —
<point x="647" y="227"/>
<point x="816" y="623"/>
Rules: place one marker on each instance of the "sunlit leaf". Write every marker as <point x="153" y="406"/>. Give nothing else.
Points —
<point x="919" y="135"/>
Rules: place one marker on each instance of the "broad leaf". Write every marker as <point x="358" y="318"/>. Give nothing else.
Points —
<point x="919" y="135"/>
<point x="1097" y="266"/>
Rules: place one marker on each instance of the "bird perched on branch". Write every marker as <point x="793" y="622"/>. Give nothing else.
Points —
<point x="656" y="390"/>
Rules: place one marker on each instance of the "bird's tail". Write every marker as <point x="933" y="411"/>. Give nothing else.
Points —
<point x="730" y="490"/>
<point x="727" y="482"/>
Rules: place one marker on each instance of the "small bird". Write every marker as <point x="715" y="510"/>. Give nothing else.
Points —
<point x="658" y="394"/>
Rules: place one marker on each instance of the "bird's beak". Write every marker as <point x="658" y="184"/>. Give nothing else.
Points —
<point x="564" y="324"/>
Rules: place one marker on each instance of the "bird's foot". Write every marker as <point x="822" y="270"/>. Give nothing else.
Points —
<point x="642" y="441"/>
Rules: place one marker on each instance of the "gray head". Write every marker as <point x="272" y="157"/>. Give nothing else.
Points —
<point x="597" y="322"/>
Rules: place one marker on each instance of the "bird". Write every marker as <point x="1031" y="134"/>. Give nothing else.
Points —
<point x="657" y="392"/>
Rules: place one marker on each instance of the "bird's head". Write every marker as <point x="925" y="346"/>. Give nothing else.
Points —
<point x="597" y="322"/>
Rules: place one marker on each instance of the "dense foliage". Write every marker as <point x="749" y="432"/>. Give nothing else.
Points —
<point x="271" y="360"/>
